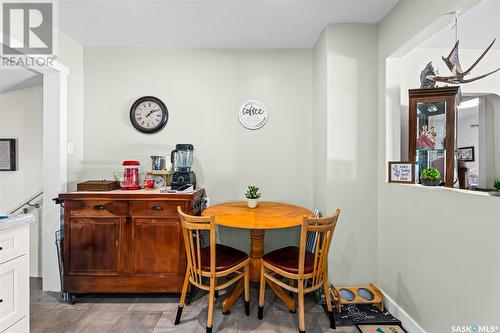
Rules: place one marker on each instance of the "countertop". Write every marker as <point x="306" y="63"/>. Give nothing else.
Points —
<point x="15" y="220"/>
<point x="134" y="192"/>
<point x="131" y="194"/>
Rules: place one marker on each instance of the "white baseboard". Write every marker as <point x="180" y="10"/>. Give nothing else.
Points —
<point x="408" y="323"/>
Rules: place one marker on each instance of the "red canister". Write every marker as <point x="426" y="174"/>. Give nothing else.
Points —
<point x="131" y="179"/>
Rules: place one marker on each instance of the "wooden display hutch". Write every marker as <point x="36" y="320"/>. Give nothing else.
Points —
<point x="432" y="130"/>
<point x="125" y="241"/>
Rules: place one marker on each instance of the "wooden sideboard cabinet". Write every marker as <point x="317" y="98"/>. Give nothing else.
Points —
<point x="125" y="241"/>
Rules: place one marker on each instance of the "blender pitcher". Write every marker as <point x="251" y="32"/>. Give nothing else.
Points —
<point x="182" y="157"/>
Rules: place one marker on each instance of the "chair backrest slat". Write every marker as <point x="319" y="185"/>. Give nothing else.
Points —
<point x="312" y="236"/>
<point x="321" y="230"/>
<point x="192" y="227"/>
<point x="194" y="254"/>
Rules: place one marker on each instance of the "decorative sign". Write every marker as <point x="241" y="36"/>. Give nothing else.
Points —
<point x="253" y="114"/>
<point x="465" y="154"/>
<point x="7" y="154"/>
<point x="401" y="172"/>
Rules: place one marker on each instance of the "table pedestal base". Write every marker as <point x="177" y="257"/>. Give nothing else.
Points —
<point x="283" y="296"/>
<point x="232" y="297"/>
<point x="256" y="253"/>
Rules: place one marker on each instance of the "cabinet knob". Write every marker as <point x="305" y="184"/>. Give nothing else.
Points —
<point x="98" y="207"/>
<point x="157" y="208"/>
<point x="1" y="248"/>
<point x="1" y="300"/>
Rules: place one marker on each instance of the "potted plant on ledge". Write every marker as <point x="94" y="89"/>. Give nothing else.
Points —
<point x="430" y="177"/>
<point x="253" y="196"/>
<point x="496" y="185"/>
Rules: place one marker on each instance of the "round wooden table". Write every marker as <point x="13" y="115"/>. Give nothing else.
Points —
<point x="267" y="215"/>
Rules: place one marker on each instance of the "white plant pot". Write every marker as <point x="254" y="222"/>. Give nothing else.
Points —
<point x="252" y="203"/>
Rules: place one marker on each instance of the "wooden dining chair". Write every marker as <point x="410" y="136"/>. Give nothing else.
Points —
<point x="297" y="265"/>
<point x="207" y="264"/>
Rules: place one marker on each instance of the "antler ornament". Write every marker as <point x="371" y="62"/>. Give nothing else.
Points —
<point x="452" y="61"/>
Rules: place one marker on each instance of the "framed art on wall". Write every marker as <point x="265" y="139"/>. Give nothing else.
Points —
<point x="465" y="154"/>
<point x="401" y="172"/>
<point x="8" y="155"/>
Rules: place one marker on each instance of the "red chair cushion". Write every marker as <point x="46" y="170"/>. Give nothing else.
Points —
<point x="287" y="259"/>
<point x="225" y="257"/>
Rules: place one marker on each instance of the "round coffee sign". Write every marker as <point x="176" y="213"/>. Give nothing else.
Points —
<point x="253" y="114"/>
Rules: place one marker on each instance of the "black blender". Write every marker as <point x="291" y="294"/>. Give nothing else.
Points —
<point x="182" y="160"/>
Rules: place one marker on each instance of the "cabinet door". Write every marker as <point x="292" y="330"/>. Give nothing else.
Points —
<point x="14" y="291"/>
<point x="431" y="130"/>
<point x="22" y="326"/>
<point x="14" y="242"/>
<point x="95" y="245"/>
<point x="156" y="247"/>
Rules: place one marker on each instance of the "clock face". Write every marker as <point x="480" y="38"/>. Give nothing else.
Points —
<point x="159" y="181"/>
<point x="148" y="114"/>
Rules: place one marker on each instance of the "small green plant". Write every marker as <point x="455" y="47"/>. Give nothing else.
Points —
<point x="252" y="192"/>
<point x="430" y="174"/>
<point x="496" y="185"/>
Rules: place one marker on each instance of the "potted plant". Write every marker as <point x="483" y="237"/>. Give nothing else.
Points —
<point x="253" y="196"/>
<point x="430" y="177"/>
<point x="496" y="185"/>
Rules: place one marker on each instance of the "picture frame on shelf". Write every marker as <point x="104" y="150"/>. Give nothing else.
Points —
<point x="402" y="172"/>
<point x="466" y="154"/>
<point x="8" y="155"/>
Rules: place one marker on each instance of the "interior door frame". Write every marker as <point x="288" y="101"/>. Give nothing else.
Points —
<point x="55" y="166"/>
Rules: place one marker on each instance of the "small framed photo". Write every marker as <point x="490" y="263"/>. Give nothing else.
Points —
<point x="377" y="328"/>
<point x="465" y="154"/>
<point x="402" y="172"/>
<point x="8" y="155"/>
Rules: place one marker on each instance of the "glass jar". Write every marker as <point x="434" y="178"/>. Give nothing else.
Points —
<point x="131" y="179"/>
<point x="149" y="182"/>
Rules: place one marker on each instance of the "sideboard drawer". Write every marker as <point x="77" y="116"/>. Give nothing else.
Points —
<point x="14" y="291"/>
<point x="97" y="208"/>
<point x="14" y="243"/>
<point x="154" y="208"/>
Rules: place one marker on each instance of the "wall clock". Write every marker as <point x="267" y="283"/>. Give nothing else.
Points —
<point x="148" y="115"/>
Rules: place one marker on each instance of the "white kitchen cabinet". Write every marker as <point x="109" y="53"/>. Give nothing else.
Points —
<point x="14" y="242"/>
<point x="14" y="279"/>
<point x="21" y="326"/>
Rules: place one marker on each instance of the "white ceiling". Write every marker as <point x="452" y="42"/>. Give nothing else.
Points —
<point x="211" y="23"/>
<point x="19" y="78"/>
<point x="476" y="28"/>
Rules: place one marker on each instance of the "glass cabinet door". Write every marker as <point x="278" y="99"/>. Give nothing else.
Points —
<point x="431" y="129"/>
<point x="431" y="135"/>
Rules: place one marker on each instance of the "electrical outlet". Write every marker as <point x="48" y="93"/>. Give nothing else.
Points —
<point x="71" y="148"/>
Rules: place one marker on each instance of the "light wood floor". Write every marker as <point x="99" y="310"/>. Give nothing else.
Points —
<point x="156" y="313"/>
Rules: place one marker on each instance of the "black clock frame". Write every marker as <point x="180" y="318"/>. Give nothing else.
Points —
<point x="164" y="118"/>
